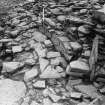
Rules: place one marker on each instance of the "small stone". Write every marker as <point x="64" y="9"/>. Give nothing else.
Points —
<point x="76" y="95"/>
<point x="30" y="61"/>
<point x="83" y="11"/>
<point x="67" y="46"/>
<point x="31" y="1"/>
<point x="75" y="82"/>
<point x="83" y="29"/>
<point x="58" y="61"/>
<point x="47" y="101"/>
<point x="38" y="36"/>
<point x="22" y="24"/>
<point x="41" y="51"/>
<point x="17" y="49"/>
<point x="86" y="53"/>
<point x="11" y="66"/>
<point x="39" y="84"/>
<point x="59" y="69"/>
<point x="82" y="103"/>
<point x="54" y="96"/>
<point x="75" y="45"/>
<point x="51" y="22"/>
<point x="5" y="40"/>
<point x="15" y="21"/>
<point x="78" y="66"/>
<point x="31" y="74"/>
<point x="11" y="91"/>
<point x="64" y="39"/>
<point x="43" y="63"/>
<point x="34" y="103"/>
<point x="1" y="28"/>
<point x="46" y="92"/>
<point x="53" y="54"/>
<point x="14" y="33"/>
<point x="48" y="43"/>
<point x="61" y="18"/>
<point x="57" y="104"/>
<point x="50" y="72"/>
<point x="102" y="90"/>
<point x="55" y="11"/>
<point x="26" y="101"/>
<point x="90" y="90"/>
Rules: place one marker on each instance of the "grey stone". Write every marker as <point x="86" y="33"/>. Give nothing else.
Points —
<point x="47" y="101"/>
<point x="11" y="66"/>
<point x="43" y="63"/>
<point x="38" y="36"/>
<point x="77" y="66"/>
<point x="61" y="18"/>
<point x="52" y="54"/>
<point x="50" y="72"/>
<point x="31" y="74"/>
<point x="11" y="91"/>
<point x="39" y="84"/>
<point x="40" y="49"/>
<point x="17" y="49"/>
<point x="90" y="90"/>
<point x="76" y="95"/>
<point x="58" y="60"/>
<point x="75" y="45"/>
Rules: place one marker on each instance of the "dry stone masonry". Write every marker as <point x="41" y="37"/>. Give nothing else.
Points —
<point x="52" y="52"/>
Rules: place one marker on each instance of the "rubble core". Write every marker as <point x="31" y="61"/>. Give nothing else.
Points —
<point x="52" y="52"/>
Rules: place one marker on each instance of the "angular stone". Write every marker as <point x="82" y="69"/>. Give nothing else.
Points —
<point x="83" y="11"/>
<point x="90" y="90"/>
<point x="50" y="72"/>
<point x="53" y="54"/>
<point x="102" y="90"/>
<point x="38" y="36"/>
<point x="31" y="74"/>
<point x="34" y="103"/>
<point x="55" y="97"/>
<point x="5" y="40"/>
<point x="64" y="39"/>
<point x="58" y="60"/>
<point x="48" y="43"/>
<point x="76" y="95"/>
<point x="11" y="66"/>
<point x="11" y="91"/>
<point x="84" y="29"/>
<point x="55" y="11"/>
<point x="46" y="92"/>
<point x="15" y="33"/>
<point x="57" y="104"/>
<point x="47" y="101"/>
<point x="61" y="18"/>
<point x="26" y="100"/>
<point x="51" y="22"/>
<point x="86" y="53"/>
<point x="41" y="51"/>
<point x="77" y="66"/>
<point x="67" y="45"/>
<point x="59" y="69"/>
<point x="39" y="84"/>
<point x="82" y="103"/>
<point x="52" y="94"/>
<point x="75" y="45"/>
<point x="43" y="63"/>
<point x="97" y="101"/>
<point x="17" y="49"/>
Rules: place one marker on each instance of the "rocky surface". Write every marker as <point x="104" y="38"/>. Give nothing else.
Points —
<point x="52" y="52"/>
